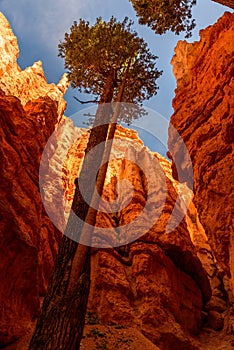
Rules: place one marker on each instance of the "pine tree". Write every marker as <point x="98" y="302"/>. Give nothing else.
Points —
<point x="164" y="15"/>
<point x="109" y="61"/>
<point x="169" y="15"/>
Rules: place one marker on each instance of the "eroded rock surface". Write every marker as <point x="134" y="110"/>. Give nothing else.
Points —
<point x="28" y="84"/>
<point x="204" y="117"/>
<point x="29" y="110"/>
<point x="157" y="282"/>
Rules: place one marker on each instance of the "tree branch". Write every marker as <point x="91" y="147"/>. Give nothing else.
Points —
<point x="85" y="102"/>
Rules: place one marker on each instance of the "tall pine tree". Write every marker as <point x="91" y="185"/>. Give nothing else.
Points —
<point x="109" y="61"/>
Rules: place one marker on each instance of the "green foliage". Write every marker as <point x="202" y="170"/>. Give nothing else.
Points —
<point x="164" y="15"/>
<point x="91" y="318"/>
<point x="96" y="333"/>
<point x="95" y="53"/>
<point x="125" y="340"/>
<point x="102" y="346"/>
<point x="119" y="326"/>
<point x="193" y="218"/>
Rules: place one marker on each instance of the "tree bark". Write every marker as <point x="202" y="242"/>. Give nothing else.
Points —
<point x="111" y="133"/>
<point x="62" y="319"/>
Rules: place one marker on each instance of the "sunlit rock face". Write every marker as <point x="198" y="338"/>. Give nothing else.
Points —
<point x="28" y="84"/>
<point x="204" y="117"/>
<point x="155" y="282"/>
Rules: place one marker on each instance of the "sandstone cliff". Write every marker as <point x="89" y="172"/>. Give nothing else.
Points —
<point x="156" y="283"/>
<point x="29" y="110"/>
<point x="204" y="117"/>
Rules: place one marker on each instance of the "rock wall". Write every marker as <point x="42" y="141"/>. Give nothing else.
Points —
<point x="29" y="84"/>
<point x="29" y="110"/>
<point x="156" y="283"/>
<point x="28" y="238"/>
<point x="204" y="117"/>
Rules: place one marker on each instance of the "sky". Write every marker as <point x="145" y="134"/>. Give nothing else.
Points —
<point x="40" y="25"/>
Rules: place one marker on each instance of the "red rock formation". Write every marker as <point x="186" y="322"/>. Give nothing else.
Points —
<point x="204" y="117"/>
<point x="30" y="83"/>
<point x="29" y="240"/>
<point x="156" y="283"/>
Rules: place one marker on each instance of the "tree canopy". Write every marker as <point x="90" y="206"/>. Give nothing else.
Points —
<point x="164" y="15"/>
<point x="94" y="53"/>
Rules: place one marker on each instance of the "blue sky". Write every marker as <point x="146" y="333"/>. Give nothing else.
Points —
<point x="39" y="25"/>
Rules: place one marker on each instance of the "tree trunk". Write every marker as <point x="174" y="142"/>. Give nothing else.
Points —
<point x="112" y="128"/>
<point x="60" y="325"/>
<point x="229" y="3"/>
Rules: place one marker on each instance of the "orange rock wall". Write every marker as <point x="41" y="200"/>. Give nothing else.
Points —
<point x="156" y="283"/>
<point x="29" y="110"/>
<point x="204" y="117"/>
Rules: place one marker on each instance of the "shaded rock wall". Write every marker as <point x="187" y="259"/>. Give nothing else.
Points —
<point x="28" y="239"/>
<point x="204" y="117"/>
